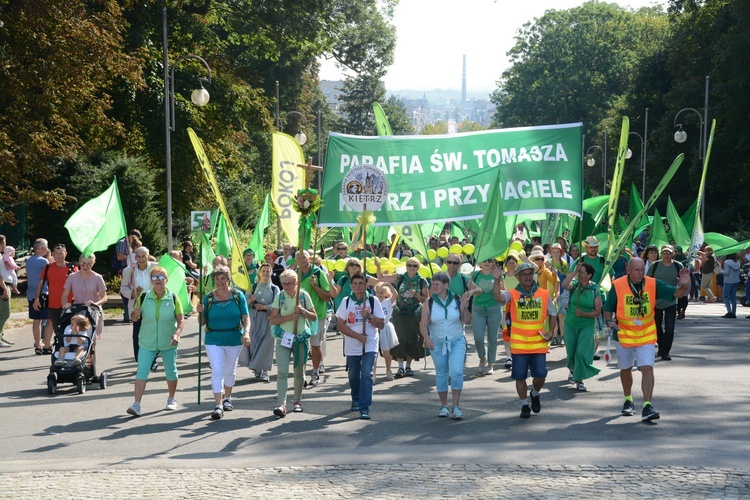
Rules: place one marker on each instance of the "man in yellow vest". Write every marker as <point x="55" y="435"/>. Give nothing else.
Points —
<point x="631" y="301"/>
<point x="528" y="307"/>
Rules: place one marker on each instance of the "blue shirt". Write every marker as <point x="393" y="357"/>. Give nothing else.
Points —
<point x="34" y="268"/>
<point x="224" y="320"/>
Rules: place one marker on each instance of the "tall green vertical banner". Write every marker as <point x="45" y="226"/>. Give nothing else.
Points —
<point x="381" y="121"/>
<point x="614" y="196"/>
<point x="698" y="238"/>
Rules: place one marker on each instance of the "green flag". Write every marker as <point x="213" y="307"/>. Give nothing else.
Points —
<point x="256" y="242"/>
<point x="696" y="240"/>
<point x="614" y="196"/>
<point x="223" y="241"/>
<point x="176" y="280"/>
<point x="659" y="235"/>
<point x="680" y="234"/>
<point x="492" y="239"/>
<point x="688" y="218"/>
<point x="412" y="235"/>
<point x="733" y="248"/>
<point x="717" y="240"/>
<point x="381" y="121"/>
<point x="99" y="223"/>
<point x="207" y="254"/>
<point x="635" y="206"/>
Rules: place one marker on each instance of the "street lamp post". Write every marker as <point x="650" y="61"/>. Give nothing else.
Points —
<point x="199" y="97"/>
<point x="642" y="156"/>
<point x="590" y="161"/>
<point x="680" y="135"/>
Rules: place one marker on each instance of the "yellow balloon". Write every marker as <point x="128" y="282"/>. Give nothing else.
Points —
<point x="328" y="264"/>
<point x="431" y="254"/>
<point x="404" y="259"/>
<point x="517" y="246"/>
<point x="435" y="268"/>
<point x="468" y="249"/>
<point x="444" y="267"/>
<point x="340" y="265"/>
<point x="456" y="248"/>
<point x="395" y="261"/>
<point x="385" y="266"/>
<point x="372" y="269"/>
<point x="424" y="272"/>
<point x="442" y="252"/>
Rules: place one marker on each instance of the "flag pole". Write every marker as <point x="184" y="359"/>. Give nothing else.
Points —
<point x="200" y="319"/>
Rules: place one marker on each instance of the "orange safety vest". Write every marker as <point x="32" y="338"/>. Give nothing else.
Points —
<point x="527" y="321"/>
<point x="636" y="329"/>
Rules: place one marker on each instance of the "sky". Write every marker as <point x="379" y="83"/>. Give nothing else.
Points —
<point x="433" y="36"/>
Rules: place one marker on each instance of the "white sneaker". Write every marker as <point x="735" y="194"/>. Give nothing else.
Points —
<point x="488" y="370"/>
<point x="135" y="409"/>
<point x="60" y="362"/>
<point x="171" y="404"/>
<point x="482" y="368"/>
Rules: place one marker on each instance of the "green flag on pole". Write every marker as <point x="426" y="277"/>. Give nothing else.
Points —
<point x="688" y="218"/>
<point x="659" y="235"/>
<point x="381" y="121"/>
<point x="223" y="241"/>
<point x="492" y="239"/>
<point x="680" y="234"/>
<point x="614" y="196"/>
<point x="256" y="242"/>
<point x="176" y="280"/>
<point x="99" y="223"/>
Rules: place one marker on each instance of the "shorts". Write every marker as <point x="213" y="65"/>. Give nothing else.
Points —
<point x="644" y="355"/>
<point x="317" y="339"/>
<point x="54" y="317"/>
<point x="34" y="314"/>
<point x="523" y="362"/>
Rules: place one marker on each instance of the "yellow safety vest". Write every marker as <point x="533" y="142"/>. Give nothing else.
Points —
<point x="636" y="321"/>
<point x="527" y="318"/>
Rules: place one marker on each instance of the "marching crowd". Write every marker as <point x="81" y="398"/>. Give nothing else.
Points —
<point x="536" y="296"/>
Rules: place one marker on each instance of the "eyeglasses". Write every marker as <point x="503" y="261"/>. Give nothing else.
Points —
<point x="412" y="265"/>
<point x="452" y="262"/>
<point x="341" y="248"/>
<point x="158" y="277"/>
<point x="58" y="245"/>
<point x="536" y="259"/>
<point x="355" y="265"/>
<point x="288" y="283"/>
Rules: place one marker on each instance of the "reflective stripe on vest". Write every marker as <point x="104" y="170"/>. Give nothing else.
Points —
<point x="631" y="333"/>
<point x="526" y="321"/>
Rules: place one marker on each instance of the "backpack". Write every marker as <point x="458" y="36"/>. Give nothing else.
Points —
<point x="677" y="266"/>
<point x="372" y="303"/>
<point x="273" y="291"/>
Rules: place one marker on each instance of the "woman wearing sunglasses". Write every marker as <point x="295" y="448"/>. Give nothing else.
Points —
<point x="160" y="314"/>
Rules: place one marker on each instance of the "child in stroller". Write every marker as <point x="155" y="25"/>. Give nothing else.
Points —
<point x="76" y="338"/>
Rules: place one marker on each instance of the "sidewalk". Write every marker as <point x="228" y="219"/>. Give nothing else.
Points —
<point x="578" y="446"/>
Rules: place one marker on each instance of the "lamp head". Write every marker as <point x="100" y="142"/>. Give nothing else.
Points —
<point x="301" y="138"/>
<point x="200" y="96"/>
<point x="628" y="154"/>
<point x="591" y="161"/>
<point x="680" y="136"/>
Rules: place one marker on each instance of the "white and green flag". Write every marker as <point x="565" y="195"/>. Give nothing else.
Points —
<point x="449" y="177"/>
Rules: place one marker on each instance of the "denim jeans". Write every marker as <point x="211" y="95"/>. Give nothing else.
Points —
<point x="449" y="364"/>
<point x="730" y="297"/>
<point x="489" y="319"/>
<point x="360" y="379"/>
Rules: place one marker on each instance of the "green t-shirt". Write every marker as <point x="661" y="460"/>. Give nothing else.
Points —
<point x="598" y="264"/>
<point x="485" y="282"/>
<point x="583" y="299"/>
<point x="669" y="275"/>
<point x="459" y="284"/>
<point x="321" y="306"/>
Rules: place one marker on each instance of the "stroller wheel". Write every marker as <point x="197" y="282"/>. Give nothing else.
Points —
<point x="103" y="380"/>
<point x="744" y="301"/>
<point x="51" y="384"/>
<point x="81" y="384"/>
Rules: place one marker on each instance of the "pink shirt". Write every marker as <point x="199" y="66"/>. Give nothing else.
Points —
<point x="85" y="289"/>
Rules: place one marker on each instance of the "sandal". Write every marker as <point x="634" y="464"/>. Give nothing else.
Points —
<point x="38" y="351"/>
<point x="408" y="372"/>
<point x="400" y="373"/>
<point x="297" y="408"/>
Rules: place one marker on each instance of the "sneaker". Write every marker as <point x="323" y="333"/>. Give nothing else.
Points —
<point x="135" y="409"/>
<point x="355" y="406"/>
<point x="561" y="342"/>
<point x="389" y="375"/>
<point x="77" y="362"/>
<point x="59" y="362"/>
<point x="408" y="372"/>
<point x="536" y="403"/>
<point x="666" y="357"/>
<point x="729" y="315"/>
<point x="4" y="343"/>
<point x="649" y="413"/>
<point x="554" y="341"/>
<point x="365" y="415"/>
<point x="218" y="413"/>
<point x="297" y="408"/>
<point x="400" y="373"/>
<point x="256" y="373"/>
<point x="488" y="369"/>
<point x="482" y="368"/>
<point x="280" y="411"/>
<point x="570" y="378"/>
<point x="171" y="404"/>
<point x="321" y="368"/>
<point x="443" y="413"/>
<point x="227" y="404"/>
<point x="264" y="377"/>
<point x="457" y="414"/>
<point x="525" y="411"/>
<point x="628" y="409"/>
<point x="580" y="387"/>
<point x="508" y="363"/>
<point x="314" y="379"/>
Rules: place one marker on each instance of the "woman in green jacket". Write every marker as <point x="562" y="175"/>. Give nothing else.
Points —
<point x="162" y="322"/>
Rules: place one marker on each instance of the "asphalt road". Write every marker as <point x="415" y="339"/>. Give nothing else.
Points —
<point x="702" y="395"/>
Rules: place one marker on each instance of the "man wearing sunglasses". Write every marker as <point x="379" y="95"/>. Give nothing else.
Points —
<point x="459" y="283"/>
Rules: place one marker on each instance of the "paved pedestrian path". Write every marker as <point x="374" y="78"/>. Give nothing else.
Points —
<point x="84" y="445"/>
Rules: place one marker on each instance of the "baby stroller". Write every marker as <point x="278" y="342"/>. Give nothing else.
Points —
<point x="69" y="372"/>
